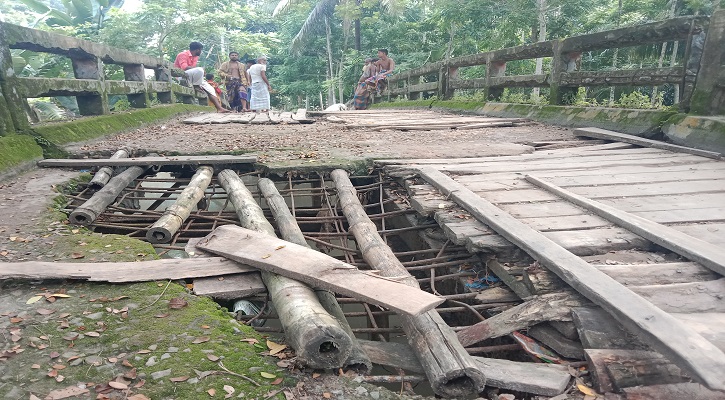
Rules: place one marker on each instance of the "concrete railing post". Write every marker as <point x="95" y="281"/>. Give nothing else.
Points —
<point x="163" y="74"/>
<point x="494" y="69"/>
<point x="562" y="62"/>
<point x="12" y="115"/>
<point x="137" y="73"/>
<point x="708" y="97"/>
<point x="90" y="67"/>
<point x="448" y="74"/>
<point x="413" y="80"/>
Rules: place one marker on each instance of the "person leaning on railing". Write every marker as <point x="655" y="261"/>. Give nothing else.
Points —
<point x="186" y="60"/>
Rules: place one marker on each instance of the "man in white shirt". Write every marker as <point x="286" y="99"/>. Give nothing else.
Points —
<point x="260" y="86"/>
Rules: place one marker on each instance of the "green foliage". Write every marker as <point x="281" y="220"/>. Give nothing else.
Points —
<point x="580" y="99"/>
<point x="121" y="104"/>
<point x="637" y="100"/>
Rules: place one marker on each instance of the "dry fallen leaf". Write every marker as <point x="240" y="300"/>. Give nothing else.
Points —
<point x="266" y="256"/>
<point x="126" y="363"/>
<point x="164" y="315"/>
<point x="179" y="379"/>
<point x="70" y="391"/>
<point x="229" y="390"/>
<point x="138" y="396"/>
<point x="35" y="366"/>
<point x="326" y="395"/>
<point x="131" y="374"/>
<point x="201" y="339"/>
<point x="280" y="247"/>
<point x="211" y="392"/>
<point x="53" y="373"/>
<point x="59" y="366"/>
<point x="275" y="348"/>
<point x="277" y="381"/>
<point x="177" y="303"/>
<point x="44" y="311"/>
<point x="205" y="327"/>
<point x="586" y="390"/>
<point x="143" y="351"/>
<point x="118" y="385"/>
<point x="60" y="295"/>
<point x="267" y="375"/>
<point x="315" y="375"/>
<point x="33" y="299"/>
<point x="54" y="354"/>
<point x="250" y="340"/>
<point x="16" y="320"/>
<point x="140" y="383"/>
<point x="92" y="334"/>
<point x="77" y="255"/>
<point x="212" y="357"/>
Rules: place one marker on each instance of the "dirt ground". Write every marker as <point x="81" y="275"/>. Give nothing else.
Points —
<point x="31" y="230"/>
<point x="324" y="141"/>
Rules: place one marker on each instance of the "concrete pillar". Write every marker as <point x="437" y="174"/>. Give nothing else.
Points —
<point x="708" y="97"/>
<point x="562" y="62"/>
<point x="494" y="69"/>
<point x="91" y="68"/>
<point x="413" y="80"/>
<point x="136" y="73"/>
<point x="12" y="115"/>
<point x="163" y="74"/>
<point x="449" y="74"/>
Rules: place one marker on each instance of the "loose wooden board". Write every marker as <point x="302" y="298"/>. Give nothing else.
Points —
<point x="230" y="287"/>
<point x="125" y="162"/>
<point x="598" y="133"/>
<point x="660" y="330"/>
<point x="118" y="272"/>
<point x="317" y="269"/>
<point x="541" y="379"/>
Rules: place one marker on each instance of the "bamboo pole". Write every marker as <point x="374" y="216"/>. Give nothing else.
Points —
<point x="87" y="212"/>
<point x="163" y="230"/>
<point x="316" y="336"/>
<point x="450" y="369"/>
<point x="290" y="231"/>
<point x="100" y="179"/>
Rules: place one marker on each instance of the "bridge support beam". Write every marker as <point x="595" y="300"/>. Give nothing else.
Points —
<point x="90" y="68"/>
<point x="136" y="73"/>
<point x="562" y="62"/>
<point x="164" y="75"/>
<point x="709" y="94"/>
<point x="494" y="69"/>
<point x="12" y="115"/>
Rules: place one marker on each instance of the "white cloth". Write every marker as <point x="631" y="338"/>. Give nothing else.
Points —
<point x="196" y="77"/>
<point x="255" y="71"/>
<point x="260" y="96"/>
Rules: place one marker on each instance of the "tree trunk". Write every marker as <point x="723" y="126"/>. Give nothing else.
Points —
<point x="163" y="230"/>
<point x="104" y="174"/>
<point x="449" y="368"/>
<point x="290" y="231"/>
<point x="330" y="70"/>
<point x="87" y="212"/>
<point x="541" y="6"/>
<point x="316" y="336"/>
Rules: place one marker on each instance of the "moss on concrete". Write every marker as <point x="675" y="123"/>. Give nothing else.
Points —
<point x="706" y="133"/>
<point x="16" y="150"/>
<point x="94" y="127"/>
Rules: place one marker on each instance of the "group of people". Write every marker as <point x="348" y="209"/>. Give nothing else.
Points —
<point x="374" y="79"/>
<point x="239" y="78"/>
<point x="248" y="88"/>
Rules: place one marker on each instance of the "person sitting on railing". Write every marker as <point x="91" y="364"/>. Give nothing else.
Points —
<point x="365" y="85"/>
<point x="385" y="65"/>
<point x="186" y="60"/>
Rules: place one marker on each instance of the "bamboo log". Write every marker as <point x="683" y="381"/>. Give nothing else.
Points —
<point x="290" y="231"/>
<point x="315" y="335"/>
<point x="87" y="212"/>
<point x="163" y="230"/>
<point x="100" y="179"/>
<point x="450" y="369"/>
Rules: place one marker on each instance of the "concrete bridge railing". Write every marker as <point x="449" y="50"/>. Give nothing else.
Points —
<point x="90" y="86"/>
<point x="701" y="78"/>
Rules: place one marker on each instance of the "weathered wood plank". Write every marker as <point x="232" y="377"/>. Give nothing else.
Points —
<point x="658" y="274"/>
<point x="628" y="368"/>
<point x="230" y="287"/>
<point x="674" y="391"/>
<point x="315" y="268"/>
<point x="692" y="297"/>
<point x="659" y="329"/>
<point x="142" y="161"/>
<point x="118" y="272"/>
<point x="550" y="337"/>
<point x="707" y="254"/>
<point x="598" y="133"/>
<point x="710" y="325"/>
<point x="598" y="330"/>
<point x="541" y="379"/>
<point x="301" y="116"/>
<point x="260" y="118"/>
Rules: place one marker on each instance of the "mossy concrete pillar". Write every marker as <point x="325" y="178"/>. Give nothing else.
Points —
<point x="448" y="74"/>
<point x="412" y="81"/>
<point x="163" y="74"/>
<point x="494" y="69"/>
<point x="708" y="97"/>
<point x="12" y="116"/>
<point x="90" y="67"/>
<point x="562" y="62"/>
<point x="137" y="73"/>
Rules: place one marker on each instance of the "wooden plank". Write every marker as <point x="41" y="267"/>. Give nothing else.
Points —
<point x="658" y="274"/>
<point x="201" y="119"/>
<point x="554" y="340"/>
<point x="707" y="254"/>
<point x="541" y="379"/>
<point x="317" y="269"/>
<point x="118" y="272"/>
<point x="286" y="118"/>
<point x="125" y="162"/>
<point x="710" y="325"/>
<point x="274" y="117"/>
<point x="260" y="118"/>
<point x="598" y="133"/>
<point x="675" y="391"/>
<point x="628" y="368"/>
<point x="692" y="297"/>
<point x="598" y="330"/>
<point x="660" y="330"/>
<point x="230" y="287"/>
<point x="301" y="116"/>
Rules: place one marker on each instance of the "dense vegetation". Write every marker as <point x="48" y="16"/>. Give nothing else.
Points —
<point x="317" y="46"/>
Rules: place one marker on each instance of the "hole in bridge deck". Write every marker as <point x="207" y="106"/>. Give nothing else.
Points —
<point x="313" y="202"/>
